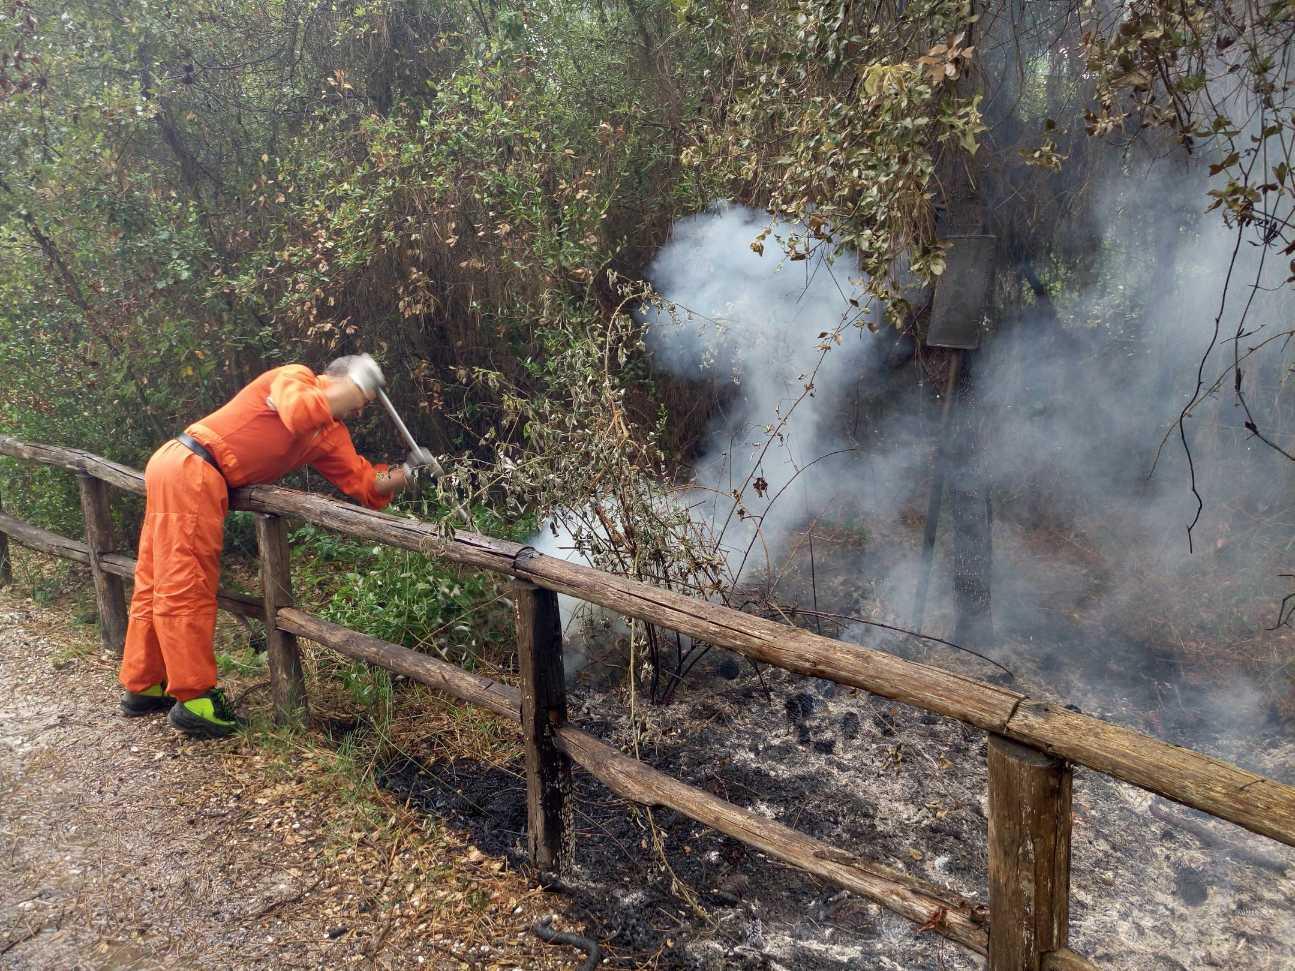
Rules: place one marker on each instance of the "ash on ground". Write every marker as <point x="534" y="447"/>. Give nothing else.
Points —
<point x="875" y="778"/>
<point x="1126" y="643"/>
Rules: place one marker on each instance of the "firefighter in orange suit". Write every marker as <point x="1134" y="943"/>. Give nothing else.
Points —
<point x="286" y="418"/>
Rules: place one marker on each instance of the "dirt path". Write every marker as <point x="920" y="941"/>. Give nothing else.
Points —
<point x="124" y="846"/>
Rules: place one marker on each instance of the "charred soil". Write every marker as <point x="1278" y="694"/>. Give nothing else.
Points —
<point x="873" y="778"/>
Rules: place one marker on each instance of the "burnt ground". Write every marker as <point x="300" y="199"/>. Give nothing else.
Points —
<point x="900" y="786"/>
<point x="123" y="846"/>
<point x="881" y="780"/>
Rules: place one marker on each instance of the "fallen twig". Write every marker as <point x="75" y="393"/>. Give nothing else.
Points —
<point x="1208" y="837"/>
<point x="381" y="939"/>
<point x="544" y="932"/>
<point x="19" y="940"/>
<point x="458" y="957"/>
<point x="274" y="905"/>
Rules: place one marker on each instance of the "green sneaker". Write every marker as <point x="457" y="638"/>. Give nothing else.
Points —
<point x="151" y="700"/>
<point x="207" y="716"/>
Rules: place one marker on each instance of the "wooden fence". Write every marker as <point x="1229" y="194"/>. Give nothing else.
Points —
<point x="1032" y="743"/>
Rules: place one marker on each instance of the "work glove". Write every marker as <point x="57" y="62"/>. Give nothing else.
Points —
<point x="366" y="374"/>
<point x="419" y="459"/>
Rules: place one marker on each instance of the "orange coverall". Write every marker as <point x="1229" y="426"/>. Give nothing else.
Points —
<point x="276" y="424"/>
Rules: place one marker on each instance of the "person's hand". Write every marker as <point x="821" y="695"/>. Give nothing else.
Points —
<point x="393" y="480"/>
<point x="423" y="458"/>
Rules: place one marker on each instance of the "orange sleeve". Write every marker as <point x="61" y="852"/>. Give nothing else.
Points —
<point x="336" y="460"/>
<point x="298" y="399"/>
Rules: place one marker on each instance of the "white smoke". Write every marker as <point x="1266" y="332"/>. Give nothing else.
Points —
<point x="1072" y="415"/>
<point x="759" y="323"/>
<point x="587" y="630"/>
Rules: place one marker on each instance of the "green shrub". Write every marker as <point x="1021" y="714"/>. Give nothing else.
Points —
<point x="240" y="534"/>
<point x="244" y="663"/>
<point x="368" y="686"/>
<point x="402" y="597"/>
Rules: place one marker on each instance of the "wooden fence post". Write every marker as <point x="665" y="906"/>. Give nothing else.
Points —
<point x="544" y="709"/>
<point x="1029" y="855"/>
<point x="287" y="683"/>
<point x="6" y="564"/>
<point x="109" y="592"/>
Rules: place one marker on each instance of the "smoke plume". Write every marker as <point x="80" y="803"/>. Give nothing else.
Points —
<point x="1097" y="594"/>
<point x="766" y="329"/>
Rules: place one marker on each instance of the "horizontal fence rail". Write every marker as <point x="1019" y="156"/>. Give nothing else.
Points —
<point x="115" y="563"/>
<point x="1033" y="742"/>
<point x="1219" y="788"/>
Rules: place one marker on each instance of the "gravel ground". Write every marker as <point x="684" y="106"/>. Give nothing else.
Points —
<point x="123" y="846"/>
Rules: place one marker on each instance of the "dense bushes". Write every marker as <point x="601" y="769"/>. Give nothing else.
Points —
<point x="192" y="192"/>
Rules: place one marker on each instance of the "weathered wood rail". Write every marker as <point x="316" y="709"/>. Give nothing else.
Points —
<point x="1033" y="743"/>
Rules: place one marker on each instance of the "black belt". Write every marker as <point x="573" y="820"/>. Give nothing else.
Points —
<point x="200" y="450"/>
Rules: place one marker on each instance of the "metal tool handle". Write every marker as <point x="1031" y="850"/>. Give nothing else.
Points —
<point x="391" y="410"/>
<point x="414" y="447"/>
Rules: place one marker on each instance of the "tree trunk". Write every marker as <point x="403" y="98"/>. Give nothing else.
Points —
<point x="973" y="552"/>
<point x="972" y="515"/>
